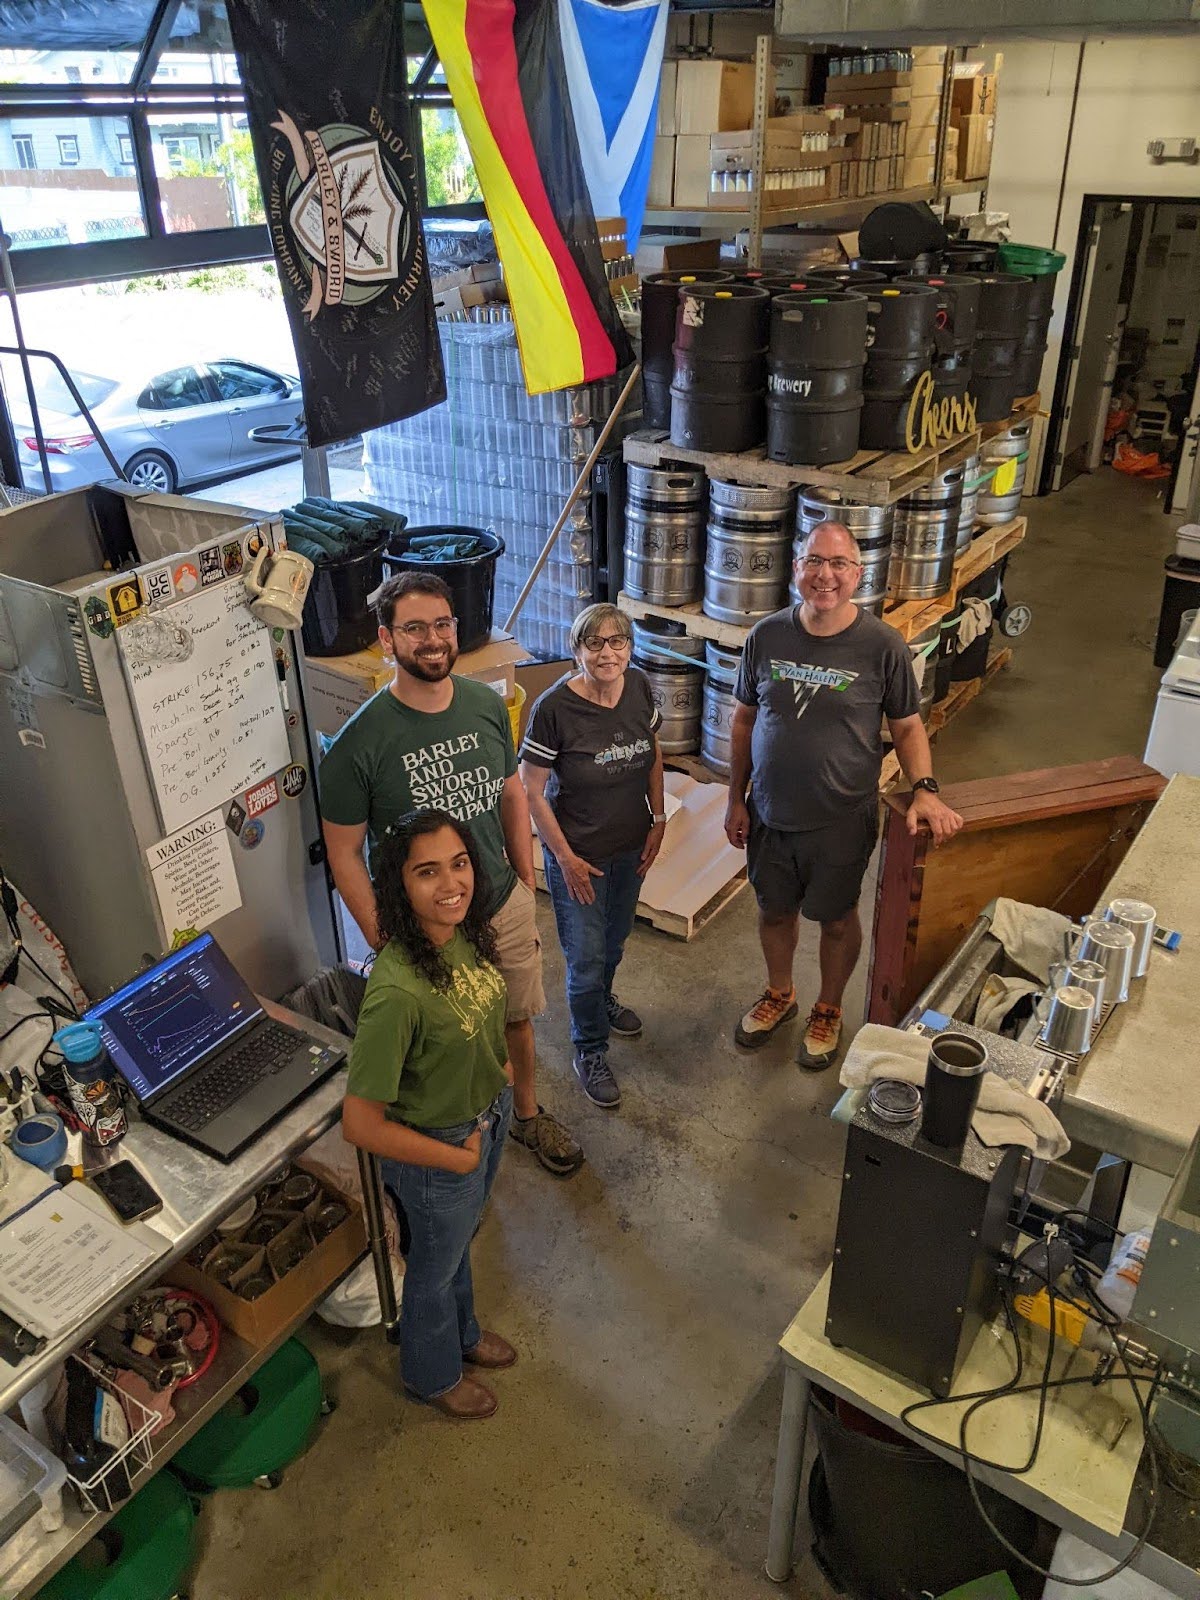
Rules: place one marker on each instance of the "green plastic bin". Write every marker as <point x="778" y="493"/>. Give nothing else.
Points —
<point x="142" y="1554"/>
<point x="1031" y="260"/>
<point x="264" y="1426"/>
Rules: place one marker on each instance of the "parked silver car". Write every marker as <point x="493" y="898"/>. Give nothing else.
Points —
<point x="184" y="426"/>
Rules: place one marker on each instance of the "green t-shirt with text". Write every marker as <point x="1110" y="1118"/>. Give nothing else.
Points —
<point x="434" y="1058"/>
<point x="389" y="759"/>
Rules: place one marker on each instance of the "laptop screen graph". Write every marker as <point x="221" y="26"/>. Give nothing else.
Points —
<point x="168" y="1018"/>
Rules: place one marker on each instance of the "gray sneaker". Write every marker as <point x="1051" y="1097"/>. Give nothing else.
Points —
<point x="595" y="1076"/>
<point x="622" y="1021"/>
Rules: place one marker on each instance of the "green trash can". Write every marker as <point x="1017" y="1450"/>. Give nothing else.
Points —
<point x="260" y="1429"/>
<point x="141" y="1554"/>
<point x="1042" y="267"/>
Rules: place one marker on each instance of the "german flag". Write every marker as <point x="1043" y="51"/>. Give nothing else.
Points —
<point x="515" y="113"/>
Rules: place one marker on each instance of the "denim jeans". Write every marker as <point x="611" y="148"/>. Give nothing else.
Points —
<point x="593" y="940"/>
<point x="442" y="1211"/>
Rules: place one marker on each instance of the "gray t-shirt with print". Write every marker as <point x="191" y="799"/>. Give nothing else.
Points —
<point x="816" y="751"/>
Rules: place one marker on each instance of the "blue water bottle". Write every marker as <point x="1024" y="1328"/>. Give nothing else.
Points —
<point x="90" y="1076"/>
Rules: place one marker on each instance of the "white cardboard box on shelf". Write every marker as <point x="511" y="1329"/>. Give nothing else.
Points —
<point x="665" y="124"/>
<point x="693" y="174"/>
<point x="713" y="96"/>
<point x="662" y="172"/>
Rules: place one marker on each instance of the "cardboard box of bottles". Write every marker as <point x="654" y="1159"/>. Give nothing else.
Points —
<point x="661" y="191"/>
<point x="841" y="88"/>
<point x="713" y="96"/>
<point x="878" y="139"/>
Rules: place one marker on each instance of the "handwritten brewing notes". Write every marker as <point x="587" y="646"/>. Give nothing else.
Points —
<point x="212" y="724"/>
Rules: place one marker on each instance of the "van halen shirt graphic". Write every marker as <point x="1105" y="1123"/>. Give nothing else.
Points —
<point x="807" y="681"/>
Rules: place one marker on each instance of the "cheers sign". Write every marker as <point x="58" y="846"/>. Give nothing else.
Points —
<point x="934" y="422"/>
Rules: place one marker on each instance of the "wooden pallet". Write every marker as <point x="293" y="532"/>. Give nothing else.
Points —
<point x="692" y="767"/>
<point x="945" y="711"/>
<point x="872" y="477"/>
<point x="675" y="923"/>
<point x="986" y="549"/>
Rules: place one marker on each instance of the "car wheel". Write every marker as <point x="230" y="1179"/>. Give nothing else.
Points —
<point x="149" y="470"/>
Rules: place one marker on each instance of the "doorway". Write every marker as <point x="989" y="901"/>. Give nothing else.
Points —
<point x="1126" y="387"/>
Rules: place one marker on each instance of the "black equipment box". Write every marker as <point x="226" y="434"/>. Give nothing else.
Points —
<point x="920" y="1235"/>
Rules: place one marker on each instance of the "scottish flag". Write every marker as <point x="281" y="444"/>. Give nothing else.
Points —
<point x="613" y="56"/>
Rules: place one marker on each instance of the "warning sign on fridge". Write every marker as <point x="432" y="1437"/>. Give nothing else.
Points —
<point x="194" y="876"/>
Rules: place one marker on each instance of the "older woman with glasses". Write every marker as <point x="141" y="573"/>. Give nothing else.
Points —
<point x="593" y="772"/>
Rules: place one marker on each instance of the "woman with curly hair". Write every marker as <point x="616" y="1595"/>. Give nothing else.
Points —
<point x="430" y="1092"/>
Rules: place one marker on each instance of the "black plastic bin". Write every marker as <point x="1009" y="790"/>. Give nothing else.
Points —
<point x="472" y="580"/>
<point x="337" y="617"/>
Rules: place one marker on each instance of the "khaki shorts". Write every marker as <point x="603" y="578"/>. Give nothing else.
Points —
<point x="519" y="952"/>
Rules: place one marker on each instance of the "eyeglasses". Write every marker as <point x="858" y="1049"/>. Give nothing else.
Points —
<point x="838" y="564"/>
<point x="595" y="642"/>
<point x="443" y="628"/>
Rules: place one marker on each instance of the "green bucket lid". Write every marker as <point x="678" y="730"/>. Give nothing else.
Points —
<point x="1031" y="260"/>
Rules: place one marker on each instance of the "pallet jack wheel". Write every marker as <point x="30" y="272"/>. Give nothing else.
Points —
<point x="1015" y="619"/>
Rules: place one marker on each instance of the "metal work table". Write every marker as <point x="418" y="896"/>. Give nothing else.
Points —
<point x="1138" y="1092"/>
<point x="1077" y="1482"/>
<point x="197" y="1193"/>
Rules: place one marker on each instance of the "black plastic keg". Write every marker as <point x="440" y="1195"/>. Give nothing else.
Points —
<point x="1032" y="347"/>
<point x="954" y="337"/>
<point x="845" y="277"/>
<point x="903" y="318"/>
<point x="1003" y="303"/>
<point x="897" y="266"/>
<point x="660" y="301"/>
<point x="776" y="283"/>
<point x="814" y="376"/>
<point x="969" y="255"/>
<point x="719" y="388"/>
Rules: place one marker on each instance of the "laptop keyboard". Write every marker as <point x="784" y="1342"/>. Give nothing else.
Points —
<point x="228" y="1079"/>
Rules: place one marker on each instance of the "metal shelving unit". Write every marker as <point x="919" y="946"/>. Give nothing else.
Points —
<point x="757" y="216"/>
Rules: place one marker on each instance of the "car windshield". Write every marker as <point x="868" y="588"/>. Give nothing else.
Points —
<point x="52" y="392"/>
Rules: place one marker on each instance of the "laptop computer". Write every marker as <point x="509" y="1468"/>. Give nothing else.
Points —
<point x="203" y="1059"/>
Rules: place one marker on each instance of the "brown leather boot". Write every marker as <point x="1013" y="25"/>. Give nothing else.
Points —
<point x="468" y="1401"/>
<point x="491" y="1351"/>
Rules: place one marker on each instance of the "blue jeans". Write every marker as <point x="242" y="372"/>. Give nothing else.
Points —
<point x="593" y="940"/>
<point x="442" y="1210"/>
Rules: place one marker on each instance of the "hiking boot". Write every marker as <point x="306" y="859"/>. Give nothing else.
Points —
<point x="553" y="1145"/>
<point x="626" y="1024"/>
<point x="822" y="1035"/>
<point x="594" y="1074"/>
<point x="765" y="1017"/>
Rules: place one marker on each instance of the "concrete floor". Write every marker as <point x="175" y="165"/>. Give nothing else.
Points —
<point x="633" y="1451"/>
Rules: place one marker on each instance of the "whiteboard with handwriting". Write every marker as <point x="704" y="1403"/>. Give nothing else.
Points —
<point x="211" y="724"/>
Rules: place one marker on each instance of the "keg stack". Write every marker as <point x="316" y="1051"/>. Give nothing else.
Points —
<point x="716" y="731"/>
<point x="719" y="381"/>
<point x="871" y="527"/>
<point x="902" y="319"/>
<point x="660" y="303"/>
<point x="1003" y="306"/>
<point x="1042" y="268"/>
<point x="954" y="334"/>
<point x="846" y="277"/>
<point x="665" y="652"/>
<point x="969" y="255"/>
<point x="1004" y="460"/>
<point x="925" y="541"/>
<point x="748" y="553"/>
<point x="974" y="479"/>
<point x="815" y="357"/>
<point x="664" y="533"/>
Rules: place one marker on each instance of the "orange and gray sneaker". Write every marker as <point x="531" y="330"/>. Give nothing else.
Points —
<point x="765" y="1017"/>
<point x="822" y="1035"/>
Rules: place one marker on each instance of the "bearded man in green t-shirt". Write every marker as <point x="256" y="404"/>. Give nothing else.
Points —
<point x="430" y="739"/>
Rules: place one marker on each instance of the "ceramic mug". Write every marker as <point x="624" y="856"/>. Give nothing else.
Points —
<point x="277" y="584"/>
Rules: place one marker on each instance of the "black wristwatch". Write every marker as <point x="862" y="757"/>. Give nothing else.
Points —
<point x="930" y="785"/>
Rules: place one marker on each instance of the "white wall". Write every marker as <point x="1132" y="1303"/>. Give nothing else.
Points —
<point x="1130" y="90"/>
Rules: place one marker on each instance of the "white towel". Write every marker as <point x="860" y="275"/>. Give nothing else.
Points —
<point x="1032" y="936"/>
<point x="997" y="998"/>
<point x="1005" y="1114"/>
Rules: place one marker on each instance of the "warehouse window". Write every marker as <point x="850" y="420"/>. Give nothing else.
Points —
<point x="83" y="194"/>
<point x="125" y="147"/>
<point x="68" y="150"/>
<point x="23" y="148"/>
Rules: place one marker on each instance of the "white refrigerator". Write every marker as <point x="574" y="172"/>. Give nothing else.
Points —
<point x="1174" y="743"/>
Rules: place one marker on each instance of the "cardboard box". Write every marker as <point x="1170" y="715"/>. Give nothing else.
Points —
<point x="975" y="146"/>
<point x="922" y="135"/>
<point x="692" y="169"/>
<point x="337" y="685"/>
<point x="918" y="172"/>
<point x="664" y="253"/>
<point x="927" y="80"/>
<point x="713" y="97"/>
<point x="951" y="166"/>
<point x="870" y="97"/>
<point x="259" y="1321"/>
<point x="838" y="89"/>
<point x="535" y="677"/>
<point x="928" y="55"/>
<point x="975" y="96"/>
<point x="662" y="172"/>
<point x="665" y="125"/>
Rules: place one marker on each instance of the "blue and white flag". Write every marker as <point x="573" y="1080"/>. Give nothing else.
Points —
<point x="613" y="55"/>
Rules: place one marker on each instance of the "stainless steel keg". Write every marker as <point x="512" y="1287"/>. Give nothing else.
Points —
<point x="926" y="538"/>
<point x="748" y="554"/>
<point x="1004" y="459"/>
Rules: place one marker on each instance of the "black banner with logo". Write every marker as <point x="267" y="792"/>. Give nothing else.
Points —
<point x="329" y="116"/>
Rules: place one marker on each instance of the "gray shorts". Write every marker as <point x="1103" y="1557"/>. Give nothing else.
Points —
<point x="818" y="872"/>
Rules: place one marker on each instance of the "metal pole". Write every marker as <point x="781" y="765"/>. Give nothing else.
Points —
<point x="373" y="1203"/>
<point x="789" y="1462"/>
<point x="585" y="473"/>
<point x="10" y="289"/>
<point x="763" y="92"/>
